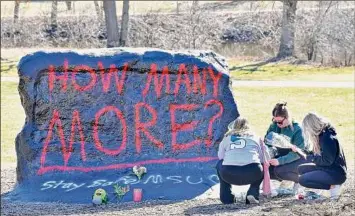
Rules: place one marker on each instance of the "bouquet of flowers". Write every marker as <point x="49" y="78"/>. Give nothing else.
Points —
<point x="120" y="191"/>
<point x="280" y="141"/>
<point x="139" y="171"/>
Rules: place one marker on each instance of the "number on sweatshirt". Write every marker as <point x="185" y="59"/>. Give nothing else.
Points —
<point x="238" y="144"/>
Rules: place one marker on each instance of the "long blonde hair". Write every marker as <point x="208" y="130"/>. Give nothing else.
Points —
<point x="240" y="126"/>
<point x="312" y="126"/>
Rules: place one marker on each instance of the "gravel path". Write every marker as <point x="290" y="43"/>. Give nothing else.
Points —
<point x="275" y="206"/>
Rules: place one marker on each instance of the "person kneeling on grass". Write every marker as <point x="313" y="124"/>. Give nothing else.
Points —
<point x="283" y="167"/>
<point x="240" y="157"/>
<point x="328" y="168"/>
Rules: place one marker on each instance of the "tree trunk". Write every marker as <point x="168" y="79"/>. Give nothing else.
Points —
<point x="15" y="23"/>
<point x="16" y="11"/>
<point x="287" y="39"/>
<point x="345" y="59"/>
<point x="68" y="5"/>
<point x="177" y="7"/>
<point x="310" y="51"/>
<point x="111" y="23"/>
<point x="194" y="7"/>
<point x="124" y="23"/>
<point x="98" y="10"/>
<point x="54" y="15"/>
<point x="195" y="3"/>
<point x="349" y="60"/>
<point x="315" y="53"/>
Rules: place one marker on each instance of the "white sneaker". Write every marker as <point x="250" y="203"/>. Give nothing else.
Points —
<point x="252" y="199"/>
<point x="335" y="192"/>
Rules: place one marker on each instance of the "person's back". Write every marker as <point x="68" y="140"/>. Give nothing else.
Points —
<point x="240" y="150"/>
<point x="240" y="162"/>
<point x="327" y="169"/>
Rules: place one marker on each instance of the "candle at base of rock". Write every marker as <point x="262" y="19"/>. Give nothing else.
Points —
<point x="137" y="194"/>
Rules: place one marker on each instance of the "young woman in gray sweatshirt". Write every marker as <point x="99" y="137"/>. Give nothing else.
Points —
<point x="240" y="162"/>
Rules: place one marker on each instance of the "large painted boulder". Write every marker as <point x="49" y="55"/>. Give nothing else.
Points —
<point x="93" y="115"/>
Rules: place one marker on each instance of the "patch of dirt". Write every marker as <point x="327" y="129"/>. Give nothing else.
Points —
<point x="297" y="61"/>
<point x="275" y="206"/>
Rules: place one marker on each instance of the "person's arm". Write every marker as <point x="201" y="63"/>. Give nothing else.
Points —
<point x="329" y="145"/>
<point x="221" y="149"/>
<point x="270" y="129"/>
<point x="260" y="151"/>
<point x="298" y="141"/>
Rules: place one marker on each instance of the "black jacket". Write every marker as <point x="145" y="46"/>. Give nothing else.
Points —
<point x="332" y="155"/>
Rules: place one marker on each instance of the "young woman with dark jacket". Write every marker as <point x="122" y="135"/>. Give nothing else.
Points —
<point x="328" y="168"/>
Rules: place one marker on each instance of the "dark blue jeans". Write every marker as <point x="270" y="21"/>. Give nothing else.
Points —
<point x="313" y="176"/>
<point x="239" y="175"/>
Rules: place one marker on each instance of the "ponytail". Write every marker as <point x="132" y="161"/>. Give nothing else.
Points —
<point x="281" y="110"/>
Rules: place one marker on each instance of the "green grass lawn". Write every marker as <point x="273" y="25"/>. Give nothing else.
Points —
<point x="254" y="103"/>
<point x="281" y="71"/>
<point x="12" y="120"/>
<point x="9" y="67"/>
<point x="337" y="105"/>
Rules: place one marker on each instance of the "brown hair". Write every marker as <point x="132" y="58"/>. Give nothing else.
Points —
<point x="280" y="110"/>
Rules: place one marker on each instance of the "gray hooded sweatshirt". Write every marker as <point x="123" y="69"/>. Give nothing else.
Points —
<point x="240" y="151"/>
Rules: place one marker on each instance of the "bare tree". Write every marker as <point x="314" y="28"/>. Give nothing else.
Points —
<point x="124" y="23"/>
<point x="111" y="23"/>
<point x="326" y="35"/>
<point x="195" y="22"/>
<point x="288" y="29"/>
<point x="68" y="5"/>
<point x="73" y="6"/>
<point x="16" y="11"/>
<point x="198" y="29"/>
<point x="194" y="6"/>
<point x="54" y="15"/>
<point x="98" y="10"/>
<point x="312" y="42"/>
<point x="15" y="22"/>
<point x="177" y="7"/>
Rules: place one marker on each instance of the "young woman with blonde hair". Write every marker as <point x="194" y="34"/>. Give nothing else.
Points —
<point x="240" y="162"/>
<point x="328" y="168"/>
